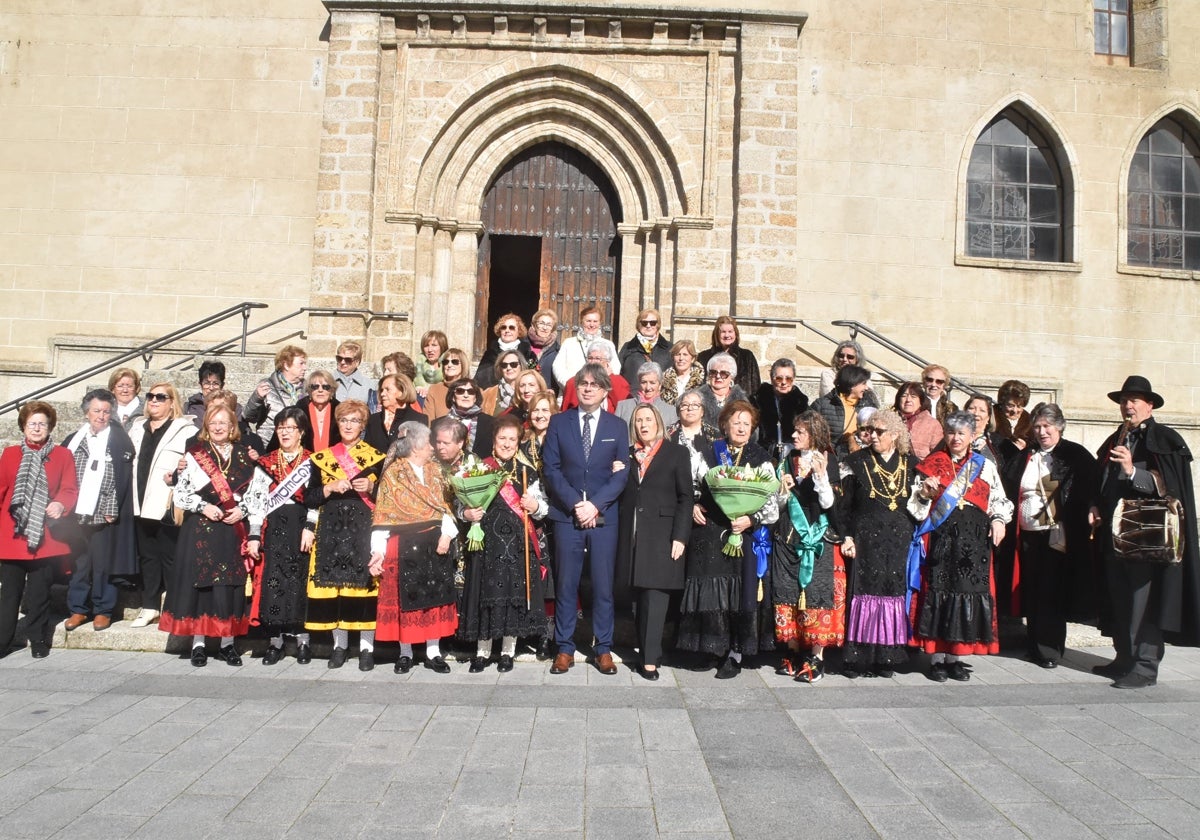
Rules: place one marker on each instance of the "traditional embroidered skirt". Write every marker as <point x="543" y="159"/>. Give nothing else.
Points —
<point x="955" y="610"/>
<point x="341" y="592"/>
<point x="217" y="609"/>
<point x="281" y="579"/>
<point x="494" y="597"/>
<point x="416" y="588"/>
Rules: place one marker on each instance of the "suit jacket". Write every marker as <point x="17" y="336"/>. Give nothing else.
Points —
<point x="569" y="475"/>
<point x="655" y="510"/>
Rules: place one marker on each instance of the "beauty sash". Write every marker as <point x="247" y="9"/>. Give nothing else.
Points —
<point x="939" y="512"/>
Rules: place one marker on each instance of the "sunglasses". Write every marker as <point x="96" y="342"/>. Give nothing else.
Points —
<point x="785" y="378"/>
<point x="345" y="360"/>
<point x="850" y="357"/>
<point x="458" y="391"/>
<point x="719" y="374"/>
<point x="507" y="327"/>
<point x="929" y="380"/>
<point x="320" y="386"/>
<point x="509" y="365"/>
<point x="874" y="430"/>
<point x="157" y="396"/>
<point x="449" y="362"/>
<point x="648" y="323"/>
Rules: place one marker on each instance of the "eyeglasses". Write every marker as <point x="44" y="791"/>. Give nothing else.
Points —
<point x="320" y="386"/>
<point x="211" y="383"/>
<point x="37" y="424"/>
<point x="785" y="378"/>
<point x="587" y="383"/>
<point x="545" y="325"/>
<point x="350" y="421"/>
<point x="345" y="360"/>
<point x="719" y="374"/>
<point x="289" y="428"/>
<point x="449" y="362"/>
<point x="648" y="323"/>
<point x="157" y="396"/>
<point x="459" y="391"/>
<point x="509" y="365"/>
<point x="690" y="406"/>
<point x="929" y="380"/>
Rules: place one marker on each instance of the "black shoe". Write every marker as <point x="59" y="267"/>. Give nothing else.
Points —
<point x="504" y="664"/>
<point x="478" y="664"/>
<point x="958" y="672"/>
<point x="885" y="673"/>
<point x="646" y="674"/>
<point x="1112" y="670"/>
<point x="938" y="672"/>
<point x="199" y="657"/>
<point x="852" y="673"/>
<point x="438" y="665"/>
<point x="812" y="670"/>
<point x="230" y="655"/>
<point x="366" y="660"/>
<point x="303" y="654"/>
<point x="403" y="665"/>
<point x="40" y="650"/>
<point x="337" y="658"/>
<point x="545" y="650"/>
<point x="272" y="655"/>
<point x="1135" y="680"/>
<point x="1048" y="664"/>
<point x="729" y="668"/>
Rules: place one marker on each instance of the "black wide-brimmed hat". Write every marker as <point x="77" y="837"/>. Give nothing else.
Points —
<point x="1137" y="385"/>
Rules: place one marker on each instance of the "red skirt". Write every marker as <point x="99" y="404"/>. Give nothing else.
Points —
<point x="408" y="626"/>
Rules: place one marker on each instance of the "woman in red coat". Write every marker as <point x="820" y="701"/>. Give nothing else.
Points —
<point x="37" y="486"/>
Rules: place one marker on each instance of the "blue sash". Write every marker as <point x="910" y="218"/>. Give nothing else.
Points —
<point x="939" y="512"/>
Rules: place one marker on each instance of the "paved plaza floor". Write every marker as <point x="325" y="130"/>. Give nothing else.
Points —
<point x="110" y="744"/>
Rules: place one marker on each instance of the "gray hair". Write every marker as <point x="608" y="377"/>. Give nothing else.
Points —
<point x="960" y="421"/>
<point x="782" y="363"/>
<point x="650" y="369"/>
<point x="598" y="372"/>
<point x="601" y="345"/>
<point x="842" y="345"/>
<point x="1050" y="412"/>
<point x="723" y="358"/>
<point x="411" y="435"/>
<point x="450" y="424"/>
<point x="101" y="394"/>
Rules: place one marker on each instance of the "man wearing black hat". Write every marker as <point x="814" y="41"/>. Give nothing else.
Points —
<point x="1150" y="601"/>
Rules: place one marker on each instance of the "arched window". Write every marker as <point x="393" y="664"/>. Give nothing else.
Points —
<point x="1164" y="198"/>
<point x="1014" y="193"/>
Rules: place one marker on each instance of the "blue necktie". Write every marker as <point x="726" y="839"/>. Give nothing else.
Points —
<point x="587" y="436"/>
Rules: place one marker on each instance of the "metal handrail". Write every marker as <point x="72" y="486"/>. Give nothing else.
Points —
<point x="855" y="328"/>
<point x="146" y="351"/>
<point x="879" y="338"/>
<point x="367" y="315"/>
<point x="791" y="322"/>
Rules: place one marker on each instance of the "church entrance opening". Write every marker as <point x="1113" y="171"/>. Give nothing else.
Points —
<point x="549" y="240"/>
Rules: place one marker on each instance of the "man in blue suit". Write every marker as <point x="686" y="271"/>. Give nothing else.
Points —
<point x="584" y="460"/>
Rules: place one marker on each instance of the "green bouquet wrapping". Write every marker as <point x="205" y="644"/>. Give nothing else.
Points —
<point x="740" y="491"/>
<point x="475" y="485"/>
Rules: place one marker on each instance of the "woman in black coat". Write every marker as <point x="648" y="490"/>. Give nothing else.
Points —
<point x="655" y="522"/>
<point x="1055" y="480"/>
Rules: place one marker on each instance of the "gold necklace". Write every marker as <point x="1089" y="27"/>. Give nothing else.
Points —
<point x="224" y="469"/>
<point x="894" y="482"/>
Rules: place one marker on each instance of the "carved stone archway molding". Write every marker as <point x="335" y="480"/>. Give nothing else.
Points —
<point x="426" y="102"/>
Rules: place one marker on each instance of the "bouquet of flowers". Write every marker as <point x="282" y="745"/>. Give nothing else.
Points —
<point x="740" y="491"/>
<point x="476" y="484"/>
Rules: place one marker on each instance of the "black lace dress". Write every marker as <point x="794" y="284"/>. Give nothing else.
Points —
<point x="721" y="610"/>
<point x="503" y="594"/>
<point x="878" y="520"/>
<point x="282" y="602"/>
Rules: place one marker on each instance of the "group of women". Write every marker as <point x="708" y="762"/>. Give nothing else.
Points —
<point x="879" y="540"/>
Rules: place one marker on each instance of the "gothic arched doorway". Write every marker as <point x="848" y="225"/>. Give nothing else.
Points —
<point x="549" y="240"/>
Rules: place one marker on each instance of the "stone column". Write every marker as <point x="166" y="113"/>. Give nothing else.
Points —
<point x="345" y="183"/>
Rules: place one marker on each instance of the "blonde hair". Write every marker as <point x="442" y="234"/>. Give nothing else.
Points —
<point x="235" y="432"/>
<point x="119" y="374"/>
<point x="176" y="405"/>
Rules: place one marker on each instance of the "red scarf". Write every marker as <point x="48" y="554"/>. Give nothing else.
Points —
<point x="644" y="455"/>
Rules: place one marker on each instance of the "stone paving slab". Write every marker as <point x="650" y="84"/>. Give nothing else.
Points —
<point x="141" y="745"/>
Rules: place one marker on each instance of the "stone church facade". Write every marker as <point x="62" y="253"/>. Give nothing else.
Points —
<point x="822" y="160"/>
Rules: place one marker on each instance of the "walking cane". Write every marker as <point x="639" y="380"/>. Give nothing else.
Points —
<point x="525" y="537"/>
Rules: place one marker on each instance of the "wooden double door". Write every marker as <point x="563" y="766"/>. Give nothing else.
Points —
<point x="550" y="241"/>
